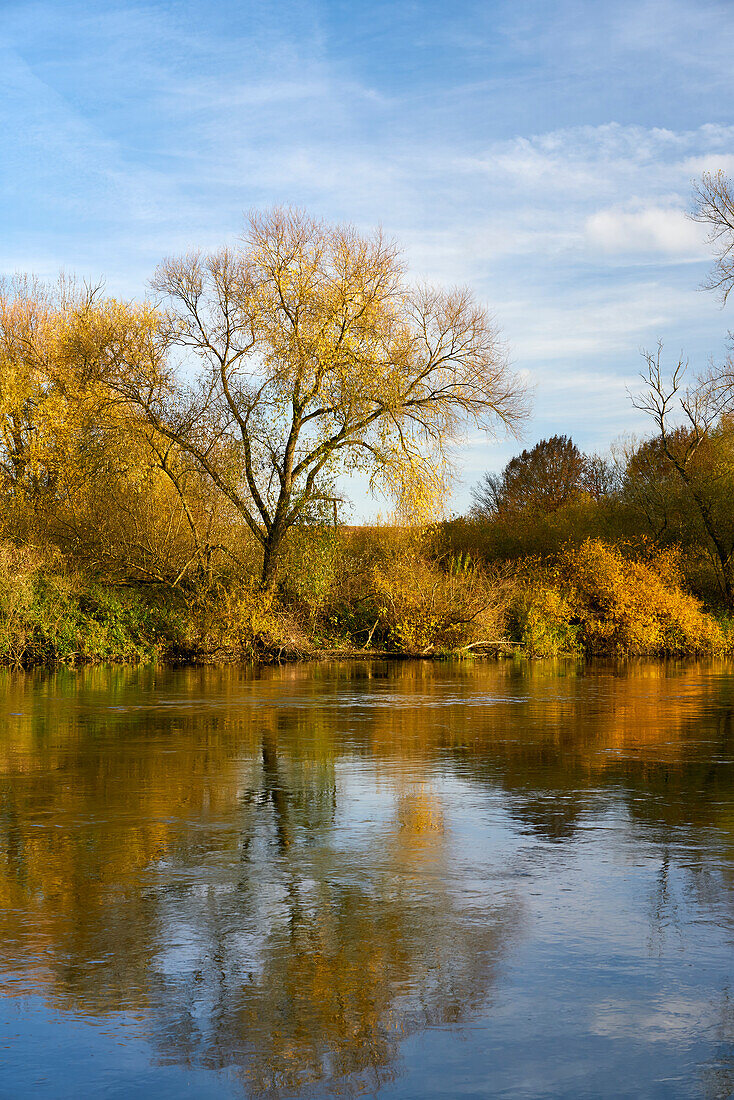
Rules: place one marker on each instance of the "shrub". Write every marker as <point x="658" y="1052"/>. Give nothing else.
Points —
<point x="628" y="606"/>
<point x="420" y="605"/>
<point x="19" y="567"/>
<point x="541" y="619"/>
<point x="48" y="614"/>
<point x="245" y="623"/>
<point x="310" y="572"/>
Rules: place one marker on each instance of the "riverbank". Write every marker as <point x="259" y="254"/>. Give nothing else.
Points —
<point x="589" y="601"/>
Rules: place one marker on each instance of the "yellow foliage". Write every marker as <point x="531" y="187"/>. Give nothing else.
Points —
<point x="634" y="607"/>
<point x="597" y="600"/>
<point x="245" y="622"/>
<point x="542" y="619"/>
<point x="422" y="607"/>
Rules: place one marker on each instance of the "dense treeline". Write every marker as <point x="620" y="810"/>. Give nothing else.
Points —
<point x="636" y="500"/>
<point x="169" y="473"/>
<point x="616" y="558"/>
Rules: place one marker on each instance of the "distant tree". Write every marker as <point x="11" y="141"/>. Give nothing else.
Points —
<point x="683" y="479"/>
<point x="487" y="497"/>
<point x="652" y="490"/>
<point x="543" y="479"/>
<point x="602" y="480"/>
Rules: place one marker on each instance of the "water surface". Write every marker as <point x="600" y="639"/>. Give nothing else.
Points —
<point x="394" y="879"/>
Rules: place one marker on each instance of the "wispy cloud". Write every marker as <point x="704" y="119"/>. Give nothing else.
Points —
<point x="542" y="153"/>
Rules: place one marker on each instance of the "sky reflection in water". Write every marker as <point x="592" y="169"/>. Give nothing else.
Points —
<point x="415" y="879"/>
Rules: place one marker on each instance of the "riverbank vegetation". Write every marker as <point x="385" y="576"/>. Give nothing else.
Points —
<point x="374" y="590"/>
<point x="170" y="470"/>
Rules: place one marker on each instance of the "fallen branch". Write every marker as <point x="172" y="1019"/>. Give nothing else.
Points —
<point x="369" y="636"/>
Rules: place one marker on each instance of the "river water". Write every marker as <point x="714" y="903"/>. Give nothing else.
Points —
<point x="405" y="879"/>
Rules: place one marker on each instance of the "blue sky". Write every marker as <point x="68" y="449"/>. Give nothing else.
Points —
<point x="541" y="152"/>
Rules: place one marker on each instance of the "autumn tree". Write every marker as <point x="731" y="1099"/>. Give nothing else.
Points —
<point x="312" y="354"/>
<point x="33" y="418"/>
<point x="542" y="479"/>
<point x="79" y="467"/>
<point x="651" y="489"/>
<point x="50" y="430"/>
<point x="693" y="421"/>
<point x="699" y="452"/>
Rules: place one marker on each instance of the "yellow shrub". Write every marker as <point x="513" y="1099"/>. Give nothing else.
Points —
<point x="627" y="606"/>
<point x="246" y="623"/>
<point x="420" y="606"/>
<point x="18" y="569"/>
<point x="542" y="620"/>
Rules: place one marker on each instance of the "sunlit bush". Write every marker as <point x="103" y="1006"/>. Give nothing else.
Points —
<point x="420" y="605"/>
<point x="634" y="606"/>
<point x="541" y="619"/>
<point x="596" y="599"/>
<point x="243" y="622"/>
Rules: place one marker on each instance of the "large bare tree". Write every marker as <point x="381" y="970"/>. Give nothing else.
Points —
<point x="714" y="208"/>
<point x="310" y="353"/>
<point x="694" y="422"/>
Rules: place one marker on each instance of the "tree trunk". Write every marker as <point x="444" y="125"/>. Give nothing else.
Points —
<point x="275" y="790"/>
<point x="728" y="588"/>
<point x="270" y="560"/>
<point x="704" y="510"/>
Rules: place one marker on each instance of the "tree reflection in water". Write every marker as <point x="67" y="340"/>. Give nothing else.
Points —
<point x="264" y="868"/>
<point x="187" y="868"/>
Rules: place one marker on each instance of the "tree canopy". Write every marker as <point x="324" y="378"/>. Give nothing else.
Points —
<point x="543" y="478"/>
<point x="312" y="354"/>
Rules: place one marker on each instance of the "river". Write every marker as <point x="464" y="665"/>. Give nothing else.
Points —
<point x="402" y="879"/>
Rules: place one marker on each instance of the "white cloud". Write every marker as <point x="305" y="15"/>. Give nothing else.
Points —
<point x="588" y="162"/>
<point x="658" y="230"/>
<point x="709" y="162"/>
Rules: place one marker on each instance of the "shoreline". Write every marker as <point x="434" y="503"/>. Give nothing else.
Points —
<point x="499" y="652"/>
